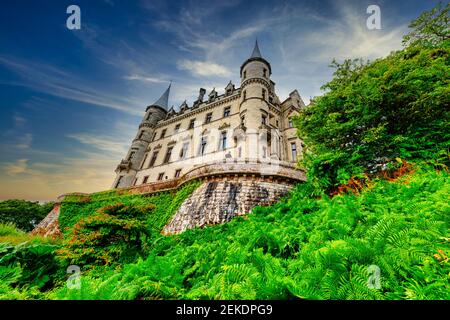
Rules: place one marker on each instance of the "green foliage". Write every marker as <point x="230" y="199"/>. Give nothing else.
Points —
<point x="25" y="215"/>
<point x="28" y="268"/>
<point x="373" y="113"/>
<point x="430" y="28"/>
<point x="115" y="230"/>
<point x="9" y="229"/>
<point x="303" y="247"/>
<point x="113" y="234"/>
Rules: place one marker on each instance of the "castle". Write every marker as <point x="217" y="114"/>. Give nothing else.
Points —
<point x="241" y="146"/>
<point x="246" y="125"/>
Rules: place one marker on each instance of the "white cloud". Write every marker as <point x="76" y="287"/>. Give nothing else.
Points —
<point x="113" y="145"/>
<point x="204" y="68"/>
<point x="20" y="166"/>
<point x="144" y="78"/>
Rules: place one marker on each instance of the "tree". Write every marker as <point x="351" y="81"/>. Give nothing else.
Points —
<point x="431" y="28"/>
<point x="374" y="113"/>
<point x="24" y="214"/>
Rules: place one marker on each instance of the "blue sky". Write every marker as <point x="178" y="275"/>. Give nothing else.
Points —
<point x="71" y="100"/>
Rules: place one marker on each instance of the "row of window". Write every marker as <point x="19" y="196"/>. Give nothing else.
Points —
<point x="183" y="151"/>
<point x="208" y="119"/>
<point x="160" y="177"/>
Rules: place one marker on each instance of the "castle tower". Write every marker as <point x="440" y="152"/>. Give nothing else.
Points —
<point x="137" y="154"/>
<point x="254" y="106"/>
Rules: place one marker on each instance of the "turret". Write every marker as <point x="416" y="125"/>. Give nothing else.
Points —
<point x="254" y="106"/>
<point x="128" y="167"/>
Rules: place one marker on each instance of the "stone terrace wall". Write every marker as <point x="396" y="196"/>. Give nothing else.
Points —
<point x="219" y="201"/>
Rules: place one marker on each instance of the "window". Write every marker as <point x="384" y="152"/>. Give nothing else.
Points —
<point x="264" y="151"/>
<point x="264" y="119"/>
<point x="223" y="140"/>
<point x="168" y="154"/>
<point x="270" y="99"/>
<point x="163" y="133"/>
<point x="291" y="124"/>
<point x="143" y="161"/>
<point x="265" y="73"/>
<point x="294" y="150"/>
<point x="144" y="181"/>
<point x="243" y="120"/>
<point x="161" y="176"/>
<point x="203" y="146"/>
<point x="264" y="94"/>
<point x="277" y="123"/>
<point x="226" y="112"/>
<point x="177" y="173"/>
<point x="208" y="118"/>
<point x="141" y="135"/>
<point x="245" y="74"/>
<point x="191" y="124"/>
<point x="184" y="150"/>
<point x="177" y="128"/>
<point x="153" y="160"/>
<point x="132" y="153"/>
<point x="154" y="136"/>
<point x="119" y="181"/>
<point x="239" y="152"/>
<point x="149" y="115"/>
<point x="245" y="94"/>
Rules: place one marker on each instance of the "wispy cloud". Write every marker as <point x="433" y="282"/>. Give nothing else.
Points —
<point x="145" y="78"/>
<point x="57" y="82"/>
<point x="204" y="68"/>
<point x="18" y="167"/>
<point x="114" y="146"/>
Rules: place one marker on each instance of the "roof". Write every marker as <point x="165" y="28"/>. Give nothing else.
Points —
<point x="256" y="53"/>
<point x="163" y="101"/>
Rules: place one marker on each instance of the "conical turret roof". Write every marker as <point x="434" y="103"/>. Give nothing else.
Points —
<point x="256" y="53"/>
<point x="163" y="101"/>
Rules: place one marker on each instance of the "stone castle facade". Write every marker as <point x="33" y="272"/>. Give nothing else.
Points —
<point x="244" y="132"/>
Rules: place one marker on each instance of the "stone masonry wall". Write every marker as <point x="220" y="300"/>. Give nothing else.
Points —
<point x="49" y="227"/>
<point x="217" y="202"/>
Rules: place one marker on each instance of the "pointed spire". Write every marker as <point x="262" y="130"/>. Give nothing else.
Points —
<point x="163" y="101"/>
<point x="256" y="53"/>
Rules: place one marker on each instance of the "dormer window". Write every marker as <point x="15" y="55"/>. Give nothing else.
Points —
<point x="163" y="133"/>
<point x="245" y="74"/>
<point x="177" y="128"/>
<point x="265" y="73"/>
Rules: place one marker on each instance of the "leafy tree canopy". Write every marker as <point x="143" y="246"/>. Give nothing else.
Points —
<point x="24" y="214"/>
<point x="374" y="114"/>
